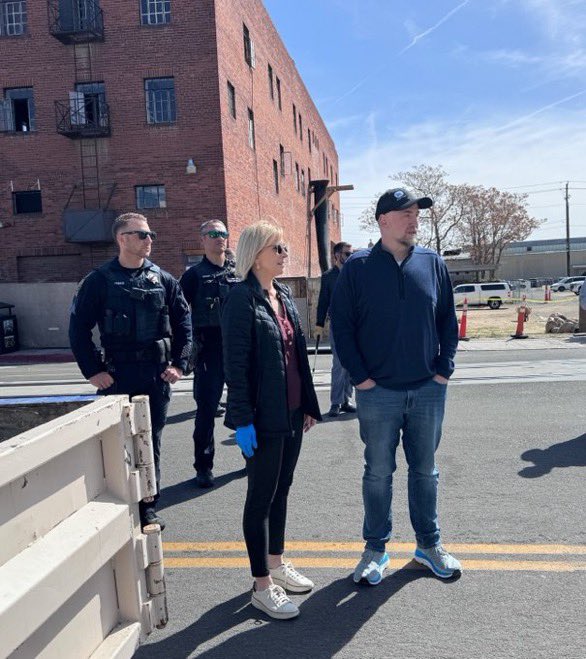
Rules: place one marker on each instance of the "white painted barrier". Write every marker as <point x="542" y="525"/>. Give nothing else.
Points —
<point x="78" y="577"/>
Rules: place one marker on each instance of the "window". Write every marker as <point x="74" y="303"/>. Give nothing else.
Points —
<point x="297" y="183"/>
<point x="309" y="139"/>
<point x="464" y="289"/>
<point x="300" y="128"/>
<point x="231" y="99"/>
<point x="294" y="118"/>
<point x="308" y="178"/>
<point x="279" y="101"/>
<point x="27" y="201"/>
<point x="303" y="182"/>
<point x="492" y="287"/>
<point x="282" y="159"/>
<point x="271" y="83"/>
<point x="150" y="196"/>
<point x="17" y="110"/>
<point x="88" y="104"/>
<point x="12" y="18"/>
<point x="249" y="56"/>
<point x="155" y="12"/>
<point x="331" y="174"/>
<point x="160" y="100"/>
<point x="251" y="140"/>
<point x="276" y="175"/>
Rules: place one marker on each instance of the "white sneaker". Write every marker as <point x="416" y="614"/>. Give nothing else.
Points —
<point x="288" y="578"/>
<point x="274" y="602"/>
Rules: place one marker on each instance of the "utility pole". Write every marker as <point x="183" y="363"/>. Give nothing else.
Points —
<point x="568" y="273"/>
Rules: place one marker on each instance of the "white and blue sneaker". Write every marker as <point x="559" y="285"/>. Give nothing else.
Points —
<point x="437" y="559"/>
<point x="371" y="567"/>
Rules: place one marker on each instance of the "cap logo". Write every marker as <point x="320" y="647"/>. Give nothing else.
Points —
<point x="399" y="194"/>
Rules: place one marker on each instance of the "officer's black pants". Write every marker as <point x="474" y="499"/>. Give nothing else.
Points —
<point x="144" y="378"/>
<point x="208" y="382"/>
<point x="270" y="474"/>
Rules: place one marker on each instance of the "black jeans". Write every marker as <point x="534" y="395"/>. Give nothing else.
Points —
<point x="270" y="474"/>
<point x="208" y="383"/>
<point x="144" y="379"/>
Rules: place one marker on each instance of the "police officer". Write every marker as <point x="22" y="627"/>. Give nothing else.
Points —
<point x="341" y="389"/>
<point x="205" y="286"/>
<point x="145" y="330"/>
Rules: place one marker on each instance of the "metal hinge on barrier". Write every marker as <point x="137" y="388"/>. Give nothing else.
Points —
<point x="155" y="576"/>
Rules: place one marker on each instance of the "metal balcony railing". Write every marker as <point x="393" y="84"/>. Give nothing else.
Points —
<point x="83" y="116"/>
<point x="76" y="21"/>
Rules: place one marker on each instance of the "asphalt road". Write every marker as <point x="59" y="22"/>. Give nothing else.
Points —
<point x="512" y="503"/>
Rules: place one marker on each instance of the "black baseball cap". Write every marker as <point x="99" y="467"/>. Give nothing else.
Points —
<point x="398" y="199"/>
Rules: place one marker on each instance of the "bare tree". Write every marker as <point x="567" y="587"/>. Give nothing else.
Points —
<point x="492" y="219"/>
<point x="438" y="225"/>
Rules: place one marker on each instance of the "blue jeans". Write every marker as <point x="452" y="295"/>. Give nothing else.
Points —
<point x="384" y="415"/>
<point x="341" y="391"/>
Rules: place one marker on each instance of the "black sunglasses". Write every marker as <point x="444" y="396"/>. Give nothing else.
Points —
<point x="280" y="249"/>
<point x="217" y="234"/>
<point x="143" y="235"/>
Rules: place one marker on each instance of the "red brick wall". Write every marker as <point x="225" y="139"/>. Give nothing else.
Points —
<point x="250" y="188"/>
<point x="137" y="153"/>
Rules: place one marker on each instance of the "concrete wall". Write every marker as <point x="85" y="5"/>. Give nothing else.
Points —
<point x="42" y="311"/>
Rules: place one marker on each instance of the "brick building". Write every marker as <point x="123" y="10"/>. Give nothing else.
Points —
<point x="183" y="110"/>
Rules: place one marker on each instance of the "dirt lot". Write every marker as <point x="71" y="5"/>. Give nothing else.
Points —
<point x="484" y="322"/>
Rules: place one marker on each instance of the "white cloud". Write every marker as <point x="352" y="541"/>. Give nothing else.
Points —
<point x="542" y="148"/>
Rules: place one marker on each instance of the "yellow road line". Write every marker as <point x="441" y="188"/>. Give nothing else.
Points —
<point x="396" y="563"/>
<point x="394" y="547"/>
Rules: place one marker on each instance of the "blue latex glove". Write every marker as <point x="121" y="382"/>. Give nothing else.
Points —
<point x="246" y="440"/>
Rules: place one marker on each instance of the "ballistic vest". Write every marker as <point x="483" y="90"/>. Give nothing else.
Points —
<point x="212" y="291"/>
<point x="136" y="314"/>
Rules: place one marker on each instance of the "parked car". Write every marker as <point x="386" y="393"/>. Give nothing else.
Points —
<point x="576" y="287"/>
<point x="490" y="293"/>
<point x="564" y="283"/>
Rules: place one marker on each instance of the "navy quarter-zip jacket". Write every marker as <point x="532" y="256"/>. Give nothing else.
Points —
<point x="395" y="323"/>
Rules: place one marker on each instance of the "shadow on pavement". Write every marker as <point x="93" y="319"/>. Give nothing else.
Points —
<point x="181" y="417"/>
<point x="345" y="416"/>
<point x="329" y="620"/>
<point x="187" y="490"/>
<point x="565" y="454"/>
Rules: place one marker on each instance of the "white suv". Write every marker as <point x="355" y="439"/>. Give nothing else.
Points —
<point x="491" y="294"/>
<point x="565" y="283"/>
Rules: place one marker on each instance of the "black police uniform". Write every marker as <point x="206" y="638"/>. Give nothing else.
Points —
<point x="144" y="325"/>
<point x="205" y="286"/>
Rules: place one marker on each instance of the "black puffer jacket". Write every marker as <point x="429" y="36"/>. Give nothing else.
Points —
<point x="254" y="361"/>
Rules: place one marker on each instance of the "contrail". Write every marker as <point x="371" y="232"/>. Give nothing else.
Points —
<point x="521" y="120"/>
<point x="418" y="37"/>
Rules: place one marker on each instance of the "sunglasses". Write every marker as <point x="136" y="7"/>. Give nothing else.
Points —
<point x="217" y="234"/>
<point x="143" y="235"/>
<point x="280" y="249"/>
<point x="347" y="253"/>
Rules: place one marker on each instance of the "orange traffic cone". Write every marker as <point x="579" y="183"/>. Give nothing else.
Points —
<point x="463" y="322"/>
<point x="521" y="317"/>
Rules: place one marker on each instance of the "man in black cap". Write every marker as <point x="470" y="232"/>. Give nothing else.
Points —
<point x="395" y="327"/>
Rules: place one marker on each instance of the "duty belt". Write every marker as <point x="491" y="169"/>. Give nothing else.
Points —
<point x="145" y="355"/>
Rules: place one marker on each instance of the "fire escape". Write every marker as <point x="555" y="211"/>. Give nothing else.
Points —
<point x="85" y="118"/>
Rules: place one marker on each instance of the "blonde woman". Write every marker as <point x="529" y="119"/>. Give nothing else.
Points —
<point x="271" y="403"/>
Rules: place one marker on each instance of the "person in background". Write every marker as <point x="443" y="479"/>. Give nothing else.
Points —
<point x="341" y="388"/>
<point x="396" y="332"/>
<point x="205" y="286"/>
<point x="145" y="331"/>
<point x="271" y="403"/>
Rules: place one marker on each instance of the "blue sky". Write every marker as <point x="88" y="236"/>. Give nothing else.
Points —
<point x="495" y="91"/>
